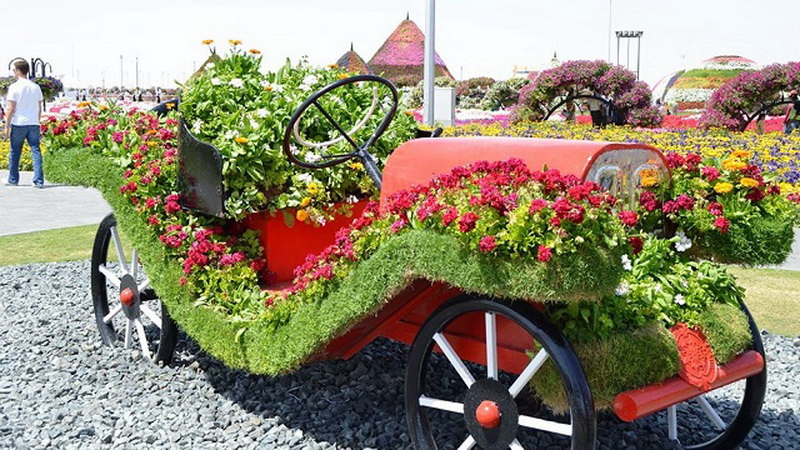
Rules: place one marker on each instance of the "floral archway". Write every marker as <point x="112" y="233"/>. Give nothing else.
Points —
<point x="736" y="103"/>
<point x="631" y="98"/>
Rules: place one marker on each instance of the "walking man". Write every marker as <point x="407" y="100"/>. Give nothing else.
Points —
<point x="22" y="123"/>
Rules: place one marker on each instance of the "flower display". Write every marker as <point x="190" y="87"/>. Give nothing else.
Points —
<point x="244" y="113"/>
<point x="631" y="98"/>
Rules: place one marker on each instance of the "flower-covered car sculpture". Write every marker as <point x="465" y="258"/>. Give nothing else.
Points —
<point x="548" y="279"/>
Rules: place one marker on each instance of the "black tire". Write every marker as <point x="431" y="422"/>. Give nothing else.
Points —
<point x="552" y="342"/>
<point x="752" y="400"/>
<point x="162" y="346"/>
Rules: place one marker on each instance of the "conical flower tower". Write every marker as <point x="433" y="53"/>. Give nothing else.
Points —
<point x="353" y="63"/>
<point x="401" y="57"/>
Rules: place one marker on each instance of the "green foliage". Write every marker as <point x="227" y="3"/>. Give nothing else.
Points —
<point x="718" y="73"/>
<point x="470" y="93"/>
<point x="503" y="94"/>
<point x="727" y="330"/>
<point x="245" y="112"/>
<point x="760" y="241"/>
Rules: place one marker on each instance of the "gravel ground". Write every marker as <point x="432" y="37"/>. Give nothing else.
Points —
<point x="60" y="388"/>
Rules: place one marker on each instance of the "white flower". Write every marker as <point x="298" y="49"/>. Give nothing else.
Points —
<point x="679" y="300"/>
<point x="626" y="263"/>
<point x="622" y="289"/>
<point x="305" y="178"/>
<point x="230" y="134"/>
<point x="310" y="80"/>
<point x="255" y="125"/>
<point x="277" y="88"/>
<point x="216" y="81"/>
<point x="684" y="244"/>
<point x="313" y="157"/>
<point x="237" y="82"/>
<point x="352" y="199"/>
<point x="262" y="112"/>
<point x="294" y="150"/>
<point x="196" y="126"/>
<point x="210" y="66"/>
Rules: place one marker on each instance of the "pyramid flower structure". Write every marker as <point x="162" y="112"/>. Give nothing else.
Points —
<point x="401" y="57"/>
<point x="352" y="62"/>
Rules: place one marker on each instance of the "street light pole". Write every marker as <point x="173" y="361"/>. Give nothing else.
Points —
<point x="137" y="72"/>
<point x="121" y="81"/>
<point x="429" y="66"/>
<point x="609" y="29"/>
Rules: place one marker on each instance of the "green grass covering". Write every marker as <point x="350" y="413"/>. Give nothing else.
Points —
<point x="609" y="364"/>
<point x="63" y="244"/>
<point x="773" y="296"/>
<point x="263" y="348"/>
<point x="763" y="241"/>
<point x="705" y="73"/>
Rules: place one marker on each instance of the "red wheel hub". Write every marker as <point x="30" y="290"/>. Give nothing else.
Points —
<point x="488" y="414"/>
<point x="126" y="297"/>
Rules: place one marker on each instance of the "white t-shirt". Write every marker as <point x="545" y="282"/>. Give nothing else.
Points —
<point x="27" y="96"/>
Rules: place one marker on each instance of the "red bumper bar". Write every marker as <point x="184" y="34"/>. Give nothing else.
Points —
<point x="636" y="403"/>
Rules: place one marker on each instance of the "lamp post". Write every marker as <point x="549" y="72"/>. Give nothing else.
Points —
<point x="628" y="36"/>
<point x="429" y="66"/>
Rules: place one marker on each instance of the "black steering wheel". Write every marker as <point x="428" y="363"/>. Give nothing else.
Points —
<point x="359" y="151"/>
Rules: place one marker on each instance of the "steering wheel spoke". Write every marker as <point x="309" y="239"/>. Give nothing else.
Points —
<point x="388" y="106"/>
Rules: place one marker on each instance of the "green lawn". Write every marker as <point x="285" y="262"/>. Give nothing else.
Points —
<point x="772" y="295"/>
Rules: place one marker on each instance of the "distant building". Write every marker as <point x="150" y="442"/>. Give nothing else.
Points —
<point x="353" y="63"/>
<point x="401" y="57"/>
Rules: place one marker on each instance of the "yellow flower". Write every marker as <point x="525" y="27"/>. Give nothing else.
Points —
<point x="305" y="201"/>
<point x="342" y="76"/>
<point x="268" y="87"/>
<point x="208" y="41"/>
<point x="649" y="177"/>
<point x="151" y="131"/>
<point x="84" y="104"/>
<point x="170" y="105"/>
<point x="743" y="154"/>
<point x="749" y="182"/>
<point x="333" y="66"/>
<point x="356" y="166"/>
<point x="723" y="188"/>
<point x="255" y="51"/>
<point x="302" y="215"/>
<point x="152" y="143"/>
<point x="103" y="107"/>
<point x="733" y="164"/>
<point x="313" y="188"/>
<point x="235" y="42"/>
<point x="241" y="140"/>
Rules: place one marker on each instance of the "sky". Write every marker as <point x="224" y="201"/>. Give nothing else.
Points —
<point x="84" y="39"/>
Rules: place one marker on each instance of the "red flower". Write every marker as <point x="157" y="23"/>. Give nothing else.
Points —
<point x="153" y="220"/>
<point x="629" y="218"/>
<point x="648" y="200"/>
<point x="710" y="173"/>
<point x="755" y="195"/>
<point x="467" y="222"/>
<point x="487" y="244"/>
<point x="449" y="216"/>
<point x="675" y="160"/>
<point x="537" y="205"/>
<point x="183" y="281"/>
<point x="715" y="209"/>
<point x="691" y="161"/>
<point x="544" y="254"/>
<point x="636" y="244"/>
<point x="722" y="224"/>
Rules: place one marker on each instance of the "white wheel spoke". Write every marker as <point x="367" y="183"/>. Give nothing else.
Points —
<point x="443" y="405"/>
<point x="452" y="356"/>
<point x="467" y="444"/>
<point x="113" y="313"/>
<point x="120" y="251"/>
<point x="711" y="413"/>
<point x="515" y="445"/>
<point x="142" y="338"/>
<point x="545" y="425"/>
<point x="128" y="333"/>
<point x="672" y="423"/>
<point x="491" y="345"/>
<point x="110" y="276"/>
<point x="528" y="373"/>
<point x="151" y="314"/>
<point x="144" y="285"/>
<point x="134" y="264"/>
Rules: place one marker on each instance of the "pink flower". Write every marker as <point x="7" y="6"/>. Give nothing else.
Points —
<point x="710" y="173"/>
<point x="449" y="216"/>
<point x="399" y="225"/>
<point x="537" y="205"/>
<point x="467" y="222"/>
<point x="629" y="218"/>
<point x="118" y="137"/>
<point x="715" y="209"/>
<point x="544" y="253"/>
<point x="487" y="244"/>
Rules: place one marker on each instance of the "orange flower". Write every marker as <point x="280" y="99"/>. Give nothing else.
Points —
<point x="103" y="107"/>
<point x="333" y="66"/>
<point x="208" y="41"/>
<point x="241" y="140"/>
<point x="305" y="202"/>
<point x="84" y="104"/>
<point x="733" y="164"/>
<point x="255" y="51"/>
<point x="170" y="105"/>
<point x="268" y="87"/>
<point x="342" y="76"/>
<point x="235" y="42"/>
<point x="302" y="215"/>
